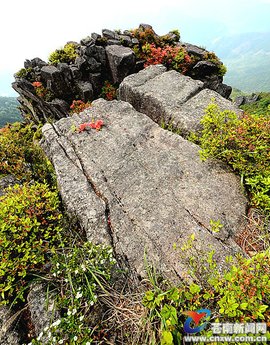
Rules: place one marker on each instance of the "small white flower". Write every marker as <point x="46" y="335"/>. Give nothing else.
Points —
<point x="66" y="280"/>
<point x="69" y="312"/>
<point x="83" y="267"/>
<point x="88" y="343"/>
<point x="49" y="334"/>
<point x="76" y="272"/>
<point x="61" y="341"/>
<point x="81" y="318"/>
<point x="92" y="303"/>
<point x="46" y="328"/>
<point x="78" y="295"/>
<point x="56" y="323"/>
<point x="54" y="274"/>
<point x="57" y="265"/>
<point x="75" y="338"/>
<point x="54" y="339"/>
<point x="74" y="311"/>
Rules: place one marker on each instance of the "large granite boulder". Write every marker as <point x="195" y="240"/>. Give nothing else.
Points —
<point x="142" y="188"/>
<point x="170" y="97"/>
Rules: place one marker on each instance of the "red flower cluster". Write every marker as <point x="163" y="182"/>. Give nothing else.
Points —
<point x="37" y="84"/>
<point x="172" y="57"/>
<point x="94" y="125"/>
<point x="79" y="106"/>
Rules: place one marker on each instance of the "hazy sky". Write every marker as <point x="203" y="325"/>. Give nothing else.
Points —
<point x="32" y="28"/>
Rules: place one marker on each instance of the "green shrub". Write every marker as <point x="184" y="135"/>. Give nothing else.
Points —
<point x="240" y="295"/>
<point x="29" y="225"/>
<point x="261" y="107"/>
<point x="244" y="143"/>
<point x="68" y="54"/>
<point x="21" y="156"/>
<point x="26" y="73"/>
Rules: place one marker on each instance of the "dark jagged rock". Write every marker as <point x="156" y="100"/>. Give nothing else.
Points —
<point x="106" y="57"/>
<point x="55" y="81"/>
<point x="85" y="90"/>
<point x="121" y="61"/>
<point x="242" y="100"/>
<point x="204" y="68"/>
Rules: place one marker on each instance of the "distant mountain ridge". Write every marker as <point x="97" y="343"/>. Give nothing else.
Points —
<point x="9" y="111"/>
<point x="247" y="57"/>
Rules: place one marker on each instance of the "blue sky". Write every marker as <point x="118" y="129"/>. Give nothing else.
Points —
<point x="30" y="28"/>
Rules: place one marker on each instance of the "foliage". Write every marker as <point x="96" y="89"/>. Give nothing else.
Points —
<point x="244" y="143"/>
<point x="42" y="92"/>
<point x="261" y="107"/>
<point x="108" y="91"/>
<point x="21" y="156"/>
<point x="29" y="224"/>
<point x="172" y="57"/>
<point x="9" y="111"/>
<point x="164" y="50"/>
<point x="240" y="295"/>
<point x="79" y="272"/>
<point x="78" y="106"/>
<point x="26" y="73"/>
<point x="67" y="54"/>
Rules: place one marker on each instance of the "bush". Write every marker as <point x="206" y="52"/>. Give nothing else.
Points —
<point x="79" y="106"/>
<point x="29" y="225"/>
<point x="244" y="143"/>
<point x="108" y="91"/>
<point x="68" y="54"/>
<point x="21" y="156"/>
<point x="240" y="295"/>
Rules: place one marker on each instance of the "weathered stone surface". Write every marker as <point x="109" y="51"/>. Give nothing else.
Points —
<point x="55" y="81"/>
<point x="170" y="97"/>
<point x="33" y="106"/>
<point x="85" y="90"/>
<point x="204" y="68"/>
<point x="195" y="50"/>
<point x="8" y="336"/>
<point x="42" y="309"/>
<point x="121" y="61"/>
<point x="7" y="181"/>
<point x="140" y="187"/>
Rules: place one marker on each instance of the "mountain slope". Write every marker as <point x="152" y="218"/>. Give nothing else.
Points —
<point x="9" y="111"/>
<point x="247" y="57"/>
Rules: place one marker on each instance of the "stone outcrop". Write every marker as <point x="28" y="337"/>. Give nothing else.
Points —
<point x="170" y="97"/>
<point x="141" y="188"/>
<point x="100" y="58"/>
<point x="8" y="336"/>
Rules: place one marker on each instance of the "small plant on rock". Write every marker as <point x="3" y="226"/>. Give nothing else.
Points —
<point x="78" y="106"/>
<point x="108" y="91"/>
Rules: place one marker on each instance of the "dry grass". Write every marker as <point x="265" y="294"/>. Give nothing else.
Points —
<point x="256" y="235"/>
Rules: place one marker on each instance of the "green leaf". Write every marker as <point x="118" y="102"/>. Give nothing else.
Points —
<point x="167" y="338"/>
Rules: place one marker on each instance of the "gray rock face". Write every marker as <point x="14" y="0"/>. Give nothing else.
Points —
<point x="7" y="181"/>
<point x="121" y="61"/>
<point x="170" y="97"/>
<point x="141" y="188"/>
<point x="7" y="335"/>
<point x="42" y="309"/>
